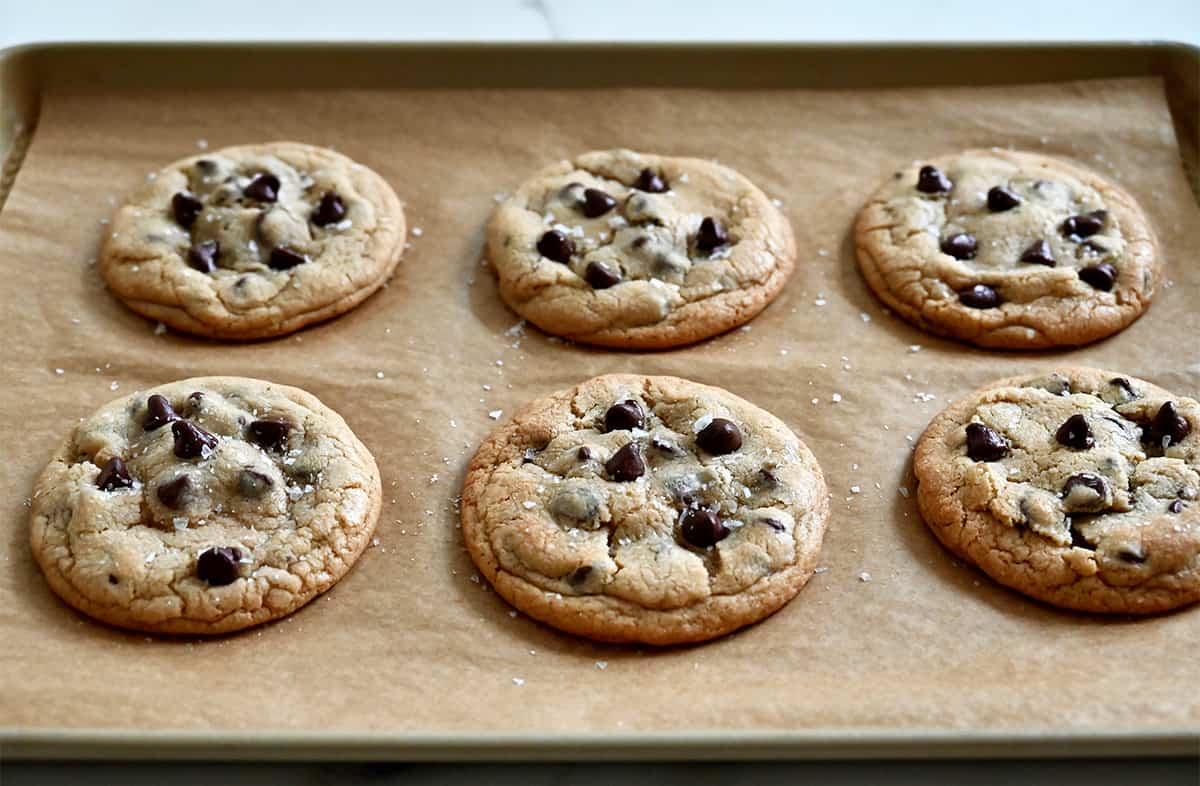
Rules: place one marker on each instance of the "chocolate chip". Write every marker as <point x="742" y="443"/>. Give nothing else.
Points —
<point x="269" y="434"/>
<point x="930" y="180"/>
<point x="983" y="444"/>
<point x="626" y="464"/>
<point x="195" y="402"/>
<point x="1079" y="541"/>
<point x="113" y="579"/>
<point x="263" y="188"/>
<point x="767" y="478"/>
<point x="203" y="256"/>
<point x="596" y="203"/>
<point x="330" y="210"/>
<point x="665" y="446"/>
<point x="1083" y="226"/>
<point x="114" y="475"/>
<point x="1176" y="506"/>
<point x="1039" y="253"/>
<point x="1000" y="199"/>
<point x="1101" y="276"/>
<point x="1131" y="554"/>
<point x="284" y="258"/>
<point x="1168" y="427"/>
<point x="186" y="208"/>
<point x="624" y="416"/>
<point x="702" y="528"/>
<point x="253" y="484"/>
<point x="556" y="246"/>
<point x="979" y="296"/>
<point x="960" y="246"/>
<point x="711" y="235"/>
<point x="584" y="453"/>
<point x="719" y="437"/>
<point x="171" y="493"/>
<point x="774" y="524"/>
<point x="1125" y="385"/>
<point x="191" y="441"/>
<point x="218" y="565"/>
<point x="1075" y="433"/>
<point x="206" y="166"/>
<point x="579" y="575"/>
<point x="649" y="180"/>
<point x="600" y="276"/>
<point x="1084" y="491"/>
<point x="159" y="413"/>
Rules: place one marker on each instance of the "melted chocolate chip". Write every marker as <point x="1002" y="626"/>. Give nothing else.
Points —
<point x="960" y="246"/>
<point x="203" y="256"/>
<point x="983" y="444"/>
<point x="930" y="180"/>
<point x="650" y="181"/>
<point x="1075" y="433"/>
<point x="702" y="528"/>
<point x="1132" y="554"/>
<point x="711" y="235"/>
<point x="596" y="203"/>
<point x="1079" y="541"/>
<point x="1176" y="506"/>
<point x="979" y="296"/>
<point x="579" y="575"/>
<point x="159" y="413"/>
<point x="191" y="441"/>
<point x="330" y="210"/>
<point x="186" y="209"/>
<point x="1039" y="253"/>
<point x="1083" y="226"/>
<point x="600" y="276"/>
<point x="1168" y="427"/>
<point x="171" y="494"/>
<point x="556" y="246"/>
<point x="1101" y="276"/>
<point x="284" y="258"/>
<point x="1083" y="486"/>
<point x="584" y="453"/>
<point x="113" y="579"/>
<point x="253" y="484"/>
<point x="719" y="437"/>
<point x="624" y="416"/>
<point x="263" y="188"/>
<point x="218" y="565"/>
<point x="114" y="475"/>
<point x="626" y="464"/>
<point x="195" y="402"/>
<point x="1000" y="199"/>
<point x="269" y="434"/>
<point x="1125" y="385"/>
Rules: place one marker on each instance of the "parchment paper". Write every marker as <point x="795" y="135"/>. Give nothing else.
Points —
<point x="894" y="634"/>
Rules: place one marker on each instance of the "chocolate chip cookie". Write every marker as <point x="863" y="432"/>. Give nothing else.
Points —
<point x="204" y="506"/>
<point x="254" y="241"/>
<point x="625" y="249"/>
<point x="1007" y="249"/>
<point x="1079" y="488"/>
<point x="648" y="509"/>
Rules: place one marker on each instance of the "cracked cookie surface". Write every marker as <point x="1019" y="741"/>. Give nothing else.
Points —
<point x="204" y="506"/>
<point x="624" y="249"/>
<point x="1008" y="249"/>
<point x="254" y="241"/>
<point x="1079" y="488"/>
<point x="650" y="509"/>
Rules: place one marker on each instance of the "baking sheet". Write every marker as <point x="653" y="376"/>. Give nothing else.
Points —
<point x="894" y="637"/>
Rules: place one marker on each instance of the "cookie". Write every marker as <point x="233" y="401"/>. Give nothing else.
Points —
<point x="645" y="509"/>
<point x="624" y="249"/>
<point x="1007" y="249"/>
<point x="254" y="241"/>
<point x="204" y="506"/>
<point x="1078" y="488"/>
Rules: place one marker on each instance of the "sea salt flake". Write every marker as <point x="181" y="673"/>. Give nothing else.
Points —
<point x="59" y="371"/>
<point x="856" y="489"/>
<point x="202" y="144"/>
<point x="529" y="504"/>
<point x="836" y="397"/>
<point x="914" y="347"/>
<point x="820" y="301"/>
<point x="518" y="681"/>
<point x="602" y="664"/>
<point x="115" y="385"/>
<point x="378" y="375"/>
<point x="495" y="414"/>
<point x="864" y="577"/>
<point x="864" y="316"/>
<point x="903" y="491"/>
<point x="417" y="231"/>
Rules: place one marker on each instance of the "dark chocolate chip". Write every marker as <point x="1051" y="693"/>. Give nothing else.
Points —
<point x="1039" y="253"/>
<point x="983" y="444"/>
<point x="206" y="166"/>
<point x="711" y="235"/>
<point x="263" y="188"/>
<point x="930" y="180"/>
<point x="203" y="256"/>
<point x="195" y="401"/>
<point x="626" y="464"/>
<point x="269" y="434"/>
<point x="774" y="524"/>
<point x="702" y="528"/>
<point x="186" y="208"/>
<point x="1079" y="541"/>
<point x="1075" y="433"/>
<point x="218" y="565"/>
<point x="979" y="296"/>
<point x="719" y="437"/>
<point x="596" y="203"/>
<point x="600" y="276"/>
<point x="253" y="484"/>
<point x="284" y="258"/>
<point x="1101" y="276"/>
<point x="1125" y="385"/>
<point x="1176" y="506"/>
<point x="113" y="579"/>
<point x="624" y="416"/>
<point x="114" y="475"/>
<point x="330" y="210"/>
<point x="1086" y="480"/>
<point x="584" y="453"/>
<point x="159" y="413"/>
<point x="191" y="441"/>
<point x="1132" y="554"/>
<point x="1000" y="199"/>
<point x="767" y="478"/>
<point x="1168" y="426"/>
<point x="171" y="493"/>
<point x="579" y="575"/>
<point x="556" y="246"/>
<point x="649" y="180"/>
<point x="960" y="246"/>
<point x="1083" y="226"/>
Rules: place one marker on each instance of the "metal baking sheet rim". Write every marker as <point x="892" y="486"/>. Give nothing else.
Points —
<point x="20" y="82"/>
